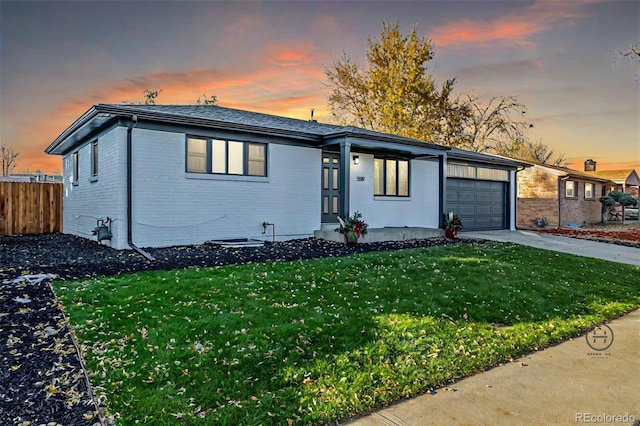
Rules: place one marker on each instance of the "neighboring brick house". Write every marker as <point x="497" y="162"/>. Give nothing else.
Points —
<point x="559" y="195"/>
<point x="626" y="180"/>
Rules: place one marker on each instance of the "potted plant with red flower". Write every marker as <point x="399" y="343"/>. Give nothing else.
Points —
<point x="452" y="224"/>
<point x="353" y="227"/>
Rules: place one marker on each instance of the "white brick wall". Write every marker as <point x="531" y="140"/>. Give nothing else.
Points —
<point x="97" y="198"/>
<point x="171" y="207"/>
<point x="419" y="209"/>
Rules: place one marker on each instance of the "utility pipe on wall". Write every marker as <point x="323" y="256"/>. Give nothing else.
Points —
<point x="273" y="230"/>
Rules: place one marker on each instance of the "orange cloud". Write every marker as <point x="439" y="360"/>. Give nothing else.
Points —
<point x="511" y="29"/>
<point x="273" y="89"/>
<point x="291" y="55"/>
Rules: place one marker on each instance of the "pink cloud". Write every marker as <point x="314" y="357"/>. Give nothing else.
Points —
<point x="511" y="29"/>
<point x="273" y="90"/>
<point x="291" y="54"/>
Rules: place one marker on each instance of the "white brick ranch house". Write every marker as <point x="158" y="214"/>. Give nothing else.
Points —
<point x="176" y="175"/>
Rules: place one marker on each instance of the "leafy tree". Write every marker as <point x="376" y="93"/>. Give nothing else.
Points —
<point x="394" y="93"/>
<point x="8" y="157"/>
<point x="150" y="96"/>
<point x="207" y="100"/>
<point x="616" y="198"/>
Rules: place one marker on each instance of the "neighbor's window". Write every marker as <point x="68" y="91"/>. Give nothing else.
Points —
<point x="589" y="190"/>
<point x="390" y="177"/>
<point x="76" y="168"/>
<point x="94" y="159"/>
<point x="226" y="157"/>
<point x="571" y="189"/>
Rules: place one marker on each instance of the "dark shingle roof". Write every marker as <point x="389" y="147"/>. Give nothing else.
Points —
<point x="225" y="118"/>
<point x="236" y="116"/>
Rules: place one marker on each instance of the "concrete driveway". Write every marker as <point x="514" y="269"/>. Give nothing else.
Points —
<point x="579" y="247"/>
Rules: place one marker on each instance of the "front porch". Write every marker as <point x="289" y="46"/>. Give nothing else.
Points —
<point x="375" y="235"/>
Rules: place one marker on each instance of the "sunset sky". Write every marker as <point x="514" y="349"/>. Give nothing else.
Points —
<point x="558" y="57"/>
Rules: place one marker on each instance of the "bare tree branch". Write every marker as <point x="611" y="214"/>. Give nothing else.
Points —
<point x="8" y="156"/>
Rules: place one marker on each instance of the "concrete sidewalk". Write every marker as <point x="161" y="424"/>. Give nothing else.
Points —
<point x="570" y="383"/>
<point x="579" y="247"/>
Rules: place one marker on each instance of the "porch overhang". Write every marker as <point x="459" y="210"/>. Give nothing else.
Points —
<point x="385" y="143"/>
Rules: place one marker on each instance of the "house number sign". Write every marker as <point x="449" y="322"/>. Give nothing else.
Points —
<point x="360" y="178"/>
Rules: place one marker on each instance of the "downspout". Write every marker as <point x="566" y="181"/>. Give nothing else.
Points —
<point x="442" y="182"/>
<point x="515" y="194"/>
<point x="560" y="180"/>
<point x="134" y="122"/>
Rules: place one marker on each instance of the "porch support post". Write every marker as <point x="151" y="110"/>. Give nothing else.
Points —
<point x="442" y="162"/>
<point x="345" y="168"/>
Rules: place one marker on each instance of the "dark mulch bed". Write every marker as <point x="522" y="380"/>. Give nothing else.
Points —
<point x="41" y="376"/>
<point x="72" y="257"/>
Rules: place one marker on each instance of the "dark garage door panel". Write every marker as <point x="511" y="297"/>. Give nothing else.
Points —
<point x="480" y="204"/>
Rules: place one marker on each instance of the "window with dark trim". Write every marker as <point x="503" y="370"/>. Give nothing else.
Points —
<point x="227" y="157"/>
<point x="589" y="191"/>
<point x="390" y="177"/>
<point x="75" y="168"/>
<point x="196" y="155"/>
<point x="571" y="189"/>
<point x="94" y="159"/>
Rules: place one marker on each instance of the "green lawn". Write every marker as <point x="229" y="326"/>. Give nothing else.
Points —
<point x="315" y="341"/>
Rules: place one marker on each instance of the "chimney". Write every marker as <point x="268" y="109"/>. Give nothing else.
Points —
<point x="589" y="165"/>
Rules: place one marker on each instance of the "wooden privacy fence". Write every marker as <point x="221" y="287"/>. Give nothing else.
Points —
<point x="30" y="208"/>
